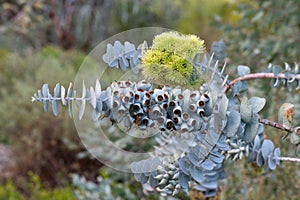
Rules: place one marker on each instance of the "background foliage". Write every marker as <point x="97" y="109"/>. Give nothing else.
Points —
<point x="46" y="41"/>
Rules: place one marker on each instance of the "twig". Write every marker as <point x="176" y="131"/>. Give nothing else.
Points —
<point x="288" y="159"/>
<point x="260" y="76"/>
<point x="274" y="124"/>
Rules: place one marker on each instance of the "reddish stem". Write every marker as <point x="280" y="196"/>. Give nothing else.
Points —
<point x="273" y="124"/>
<point x="260" y="75"/>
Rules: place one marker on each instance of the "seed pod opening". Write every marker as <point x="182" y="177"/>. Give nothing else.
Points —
<point x="116" y="103"/>
<point x="195" y="95"/>
<point x="169" y="124"/>
<point x="185" y="116"/>
<point x="177" y="110"/>
<point x="193" y="107"/>
<point x="200" y="112"/>
<point x="200" y="103"/>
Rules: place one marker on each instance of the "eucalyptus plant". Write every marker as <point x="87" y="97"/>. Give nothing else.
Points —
<point x="203" y="118"/>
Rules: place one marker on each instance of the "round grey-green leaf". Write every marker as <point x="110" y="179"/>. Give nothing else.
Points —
<point x="271" y="163"/>
<point x="233" y="123"/>
<point x="184" y="180"/>
<point x="267" y="148"/>
<point x="257" y="103"/>
<point x="184" y="165"/>
<point x="243" y="70"/>
<point x="197" y="174"/>
<point x="251" y="129"/>
<point x="246" y="110"/>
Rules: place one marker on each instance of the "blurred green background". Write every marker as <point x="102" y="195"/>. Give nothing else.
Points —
<point x="41" y="156"/>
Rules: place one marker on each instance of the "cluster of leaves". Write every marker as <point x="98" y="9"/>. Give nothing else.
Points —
<point x="126" y="55"/>
<point x="218" y="129"/>
<point x="228" y="132"/>
<point x="227" y="124"/>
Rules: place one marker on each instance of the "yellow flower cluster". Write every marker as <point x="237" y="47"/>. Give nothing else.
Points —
<point x="168" y="60"/>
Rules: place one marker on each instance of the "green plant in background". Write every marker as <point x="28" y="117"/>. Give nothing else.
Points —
<point x="266" y="32"/>
<point x="9" y="191"/>
<point x="218" y="116"/>
<point x="29" y="131"/>
<point x="36" y="190"/>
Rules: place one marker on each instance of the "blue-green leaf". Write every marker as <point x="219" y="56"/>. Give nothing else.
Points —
<point x="184" y="165"/>
<point x="83" y="90"/>
<point x="143" y="178"/>
<point x="267" y="148"/>
<point x="184" y="180"/>
<point x="152" y="181"/>
<point x="240" y="87"/>
<point x="70" y="108"/>
<point x="233" y="123"/>
<point x="98" y="88"/>
<point x="62" y="95"/>
<point x="271" y="163"/>
<point x="55" y="107"/>
<point x="259" y="160"/>
<point x="193" y="158"/>
<point x="243" y="70"/>
<point x="197" y="174"/>
<point x="45" y="102"/>
<point x="137" y="176"/>
<point x="56" y="90"/>
<point x="129" y="48"/>
<point x="246" y="110"/>
<point x="213" y="184"/>
<point x="208" y="164"/>
<point x="45" y="90"/>
<point x="82" y="108"/>
<point x="251" y="129"/>
<point x="93" y="97"/>
<point x="277" y="155"/>
<point x="257" y="103"/>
